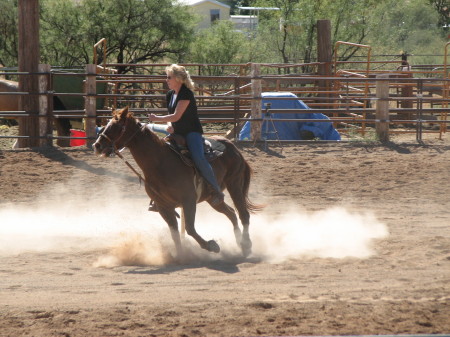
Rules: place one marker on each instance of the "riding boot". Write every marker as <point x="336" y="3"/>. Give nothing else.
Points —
<point x="153" y="207"/>
<point x="217" y="199"/>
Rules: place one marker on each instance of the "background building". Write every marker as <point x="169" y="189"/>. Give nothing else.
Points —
<point x="209" y="11"/>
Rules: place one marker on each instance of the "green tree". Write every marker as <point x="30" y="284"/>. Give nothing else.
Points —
<point x="8" y="33"/>
<point x="220" y="44"/>
<point x="155" y="30"/>
<point x="292" y="30"/>
<point x="413" y="28"/>
<point x="443" y="9"/>
<point x="281" y="31"/>
<point x="62" y="38"/>
<point x="136" y="30"/>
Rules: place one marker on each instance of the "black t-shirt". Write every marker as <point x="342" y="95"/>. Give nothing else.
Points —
<point x="189" y="122"/>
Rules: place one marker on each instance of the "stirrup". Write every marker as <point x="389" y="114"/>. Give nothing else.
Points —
<point x="153" y="207"/>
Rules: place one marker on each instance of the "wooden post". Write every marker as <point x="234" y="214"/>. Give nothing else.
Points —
<point x="45" y="105"/>
<point x="90" y="103"/>
<point x="256" y="101"/>
<point x="382" y="108"/>
<point x="324" y="55"/>
<point x="407" y="92"/>
<point x="28" y="52"/>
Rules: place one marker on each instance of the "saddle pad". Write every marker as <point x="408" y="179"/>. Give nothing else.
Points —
<point x="213" y="150"/>
<point x="216" y="145"/>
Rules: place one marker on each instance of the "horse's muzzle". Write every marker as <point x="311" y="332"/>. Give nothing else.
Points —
<point x="103" y="151"/>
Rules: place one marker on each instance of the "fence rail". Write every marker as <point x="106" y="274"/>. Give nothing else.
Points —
<point x="355" y="101"/>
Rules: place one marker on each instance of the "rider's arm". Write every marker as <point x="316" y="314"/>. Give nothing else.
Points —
<point x="179" y="111"/>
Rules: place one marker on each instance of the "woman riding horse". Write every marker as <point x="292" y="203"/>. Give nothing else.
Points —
<point x="173" y="184"/>
<point x="184" y="121"/>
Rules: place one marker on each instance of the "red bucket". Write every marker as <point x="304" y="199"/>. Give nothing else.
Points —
<point x="77" y="133"/>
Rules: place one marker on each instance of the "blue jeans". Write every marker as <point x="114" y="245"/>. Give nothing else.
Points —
<point x="194" y="141"/>
<point x="161" y="128"/>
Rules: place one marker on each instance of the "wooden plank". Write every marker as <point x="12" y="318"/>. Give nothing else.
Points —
<point x="382" y="109"/>
<point x="29" y="53"/>
<point x="90" y="103"/>
<point x="256" y="102"/>
<point x="45" y="105"/>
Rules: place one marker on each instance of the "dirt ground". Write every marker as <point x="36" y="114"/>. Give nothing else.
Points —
<point x="354" y="240"/>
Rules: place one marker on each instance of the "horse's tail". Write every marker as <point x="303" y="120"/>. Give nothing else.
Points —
<point x="251" y="207"/>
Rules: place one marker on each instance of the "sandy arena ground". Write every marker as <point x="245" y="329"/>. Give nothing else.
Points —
<point x="355" y="239"/>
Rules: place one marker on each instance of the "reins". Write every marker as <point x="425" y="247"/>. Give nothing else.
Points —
<point x="129" y="165"/>
<point x="117" y="152"/>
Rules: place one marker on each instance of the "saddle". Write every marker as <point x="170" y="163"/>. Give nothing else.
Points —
<point x="213" y="148"/>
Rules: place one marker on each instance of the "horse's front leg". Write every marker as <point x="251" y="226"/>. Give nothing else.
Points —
<point x="170" y="217"/>
<point x="189" y="210"/>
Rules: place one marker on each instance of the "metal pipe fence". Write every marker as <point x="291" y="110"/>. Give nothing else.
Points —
<point x="347" y="99"/>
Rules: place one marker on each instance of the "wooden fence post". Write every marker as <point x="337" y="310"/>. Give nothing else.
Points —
<point x="45" y="105"/>
<point x="382" y="108"/>
<point x="407" y="92"/>
<point x="28" y="60"/>
<point x="256" y="101"/>
<point x="90" y="103"/>
<point x="325" y="57"/>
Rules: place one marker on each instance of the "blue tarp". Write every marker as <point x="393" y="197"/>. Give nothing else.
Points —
<point x="291" y="130"/>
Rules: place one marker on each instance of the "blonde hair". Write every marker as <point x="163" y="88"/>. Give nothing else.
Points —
<point x="181" y="74"/>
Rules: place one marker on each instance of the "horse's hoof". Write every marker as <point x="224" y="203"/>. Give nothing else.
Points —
<point x="246" y="247"/>
<point x="213" y="246"/>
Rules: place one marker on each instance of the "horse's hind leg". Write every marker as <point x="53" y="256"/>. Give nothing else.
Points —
<point x="231" y="215"/>
<point x="246" y="243"/>
<point x="244" y="215"/>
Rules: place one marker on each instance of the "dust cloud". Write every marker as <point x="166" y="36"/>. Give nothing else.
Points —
<point x="334" y="232"/>
<point x="123" y="232"/>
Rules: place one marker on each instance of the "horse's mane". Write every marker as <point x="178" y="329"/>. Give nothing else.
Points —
<point x="146" y="131"/>
<point x="153" y="135"/>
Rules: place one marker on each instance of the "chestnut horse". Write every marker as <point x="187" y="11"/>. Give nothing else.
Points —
<point x="171" y="183"/>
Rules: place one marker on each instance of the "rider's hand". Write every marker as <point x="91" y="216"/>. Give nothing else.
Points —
<point x="151" y="117"/>
<point x="170" y="129"/>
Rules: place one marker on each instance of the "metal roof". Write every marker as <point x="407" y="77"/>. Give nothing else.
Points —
<point x="196" y="2"/>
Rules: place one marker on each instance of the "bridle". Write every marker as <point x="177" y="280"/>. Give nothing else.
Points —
<point x="117" y="151"/>
<point x="122" y="133"/>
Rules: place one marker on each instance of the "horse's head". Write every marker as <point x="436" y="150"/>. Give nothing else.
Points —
<point x="116" y="134"/>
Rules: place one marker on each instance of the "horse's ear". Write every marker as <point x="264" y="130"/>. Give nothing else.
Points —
<point x="130" y="113"/>
<point x="123" y="113"/>
<point x="116" y="113"/>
